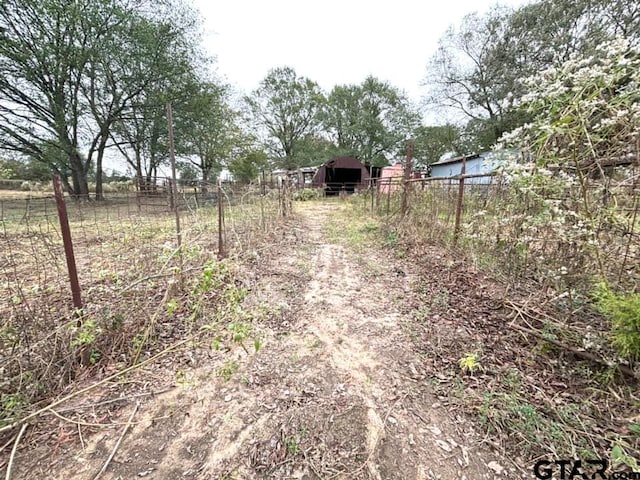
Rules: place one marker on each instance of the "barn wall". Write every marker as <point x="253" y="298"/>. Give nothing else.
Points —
<point x="340" y="162"/>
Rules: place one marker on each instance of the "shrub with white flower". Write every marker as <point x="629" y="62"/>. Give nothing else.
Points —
<point x="576" y="198"/>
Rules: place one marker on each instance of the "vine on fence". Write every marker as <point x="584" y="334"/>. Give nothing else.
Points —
<point x="128" y="269"/>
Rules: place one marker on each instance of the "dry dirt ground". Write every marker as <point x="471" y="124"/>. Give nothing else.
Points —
<point x="335" y="392"/>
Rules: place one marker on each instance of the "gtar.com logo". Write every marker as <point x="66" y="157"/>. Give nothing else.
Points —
<point x="579" y="469"/>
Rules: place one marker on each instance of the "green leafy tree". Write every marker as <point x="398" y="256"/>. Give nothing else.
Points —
<point x="431" y="142"/>
<point x="207" y="129"/>
<point x="45" y="51"/>
<point x="342" y="118"/>
<point x="286" y="108"/>
<point x="139" y="54"/>
<point x="246" y="168"/>
<point x="371" y="121"/>
<point x="314" y="150"/>
<point x="11" y="169"/>
<point x="140" y="135"/>
<point x="70" y="71"/>
<point x="187" y="170"/>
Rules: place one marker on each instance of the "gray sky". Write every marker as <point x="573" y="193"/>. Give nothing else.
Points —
<point x="331" y="41"/>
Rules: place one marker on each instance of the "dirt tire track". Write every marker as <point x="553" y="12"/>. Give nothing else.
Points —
<point x="337" y="394"/>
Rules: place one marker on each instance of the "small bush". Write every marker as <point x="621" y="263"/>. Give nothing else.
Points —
<point x="307" y="194"/>
<point x="624" y="313"/>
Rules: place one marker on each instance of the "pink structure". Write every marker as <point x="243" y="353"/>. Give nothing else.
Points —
<point x="391" y="178"/>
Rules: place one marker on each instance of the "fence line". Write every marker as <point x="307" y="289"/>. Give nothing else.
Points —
<point x="541" y="232"/>
<point x="126" y="256"/>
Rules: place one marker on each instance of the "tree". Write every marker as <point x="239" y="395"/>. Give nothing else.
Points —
<point x="187" y="170"/>
<point x="314" y="150"/>
<point x="141" y="53"/>
<point x="286" y="106"/>
<point x="371" y="121"/>
<point x="207" y="129"/>
<point x="431" y="142"/>
<point x="70" y="70"/>
<point x="464" y="74"/>
<point x="45" y="49"/>
<point x="246" y="168"/>
<point x="342" y="117"/>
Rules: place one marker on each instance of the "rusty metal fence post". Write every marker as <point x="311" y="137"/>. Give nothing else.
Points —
<point x="68" y="244"/>
<point x="456" y="230"/>
<point x="407" y="175"/>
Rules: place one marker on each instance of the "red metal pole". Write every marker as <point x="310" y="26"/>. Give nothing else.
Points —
<point x="68" y="243"/>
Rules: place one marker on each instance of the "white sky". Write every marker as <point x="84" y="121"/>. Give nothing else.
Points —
<point x="333" y="41"/>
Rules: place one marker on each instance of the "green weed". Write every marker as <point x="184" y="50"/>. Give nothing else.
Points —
<point x="624" y="313"/>
<point x="470" y="363"/>
<point x="227" y="370"/>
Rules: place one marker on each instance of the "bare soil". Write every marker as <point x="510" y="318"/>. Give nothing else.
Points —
<point x="335" y="392"/>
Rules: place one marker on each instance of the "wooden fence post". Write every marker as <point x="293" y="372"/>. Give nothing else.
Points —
<point x="389" y="195"/>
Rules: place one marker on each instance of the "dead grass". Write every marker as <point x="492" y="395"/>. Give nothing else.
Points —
<point x="532" y="397"/>
<point x="139" y="292"/>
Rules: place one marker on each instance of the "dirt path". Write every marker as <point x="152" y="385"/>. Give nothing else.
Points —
<point x="335" y="392"/>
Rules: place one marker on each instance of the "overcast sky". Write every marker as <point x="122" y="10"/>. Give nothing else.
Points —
<point x="330" y="41"/>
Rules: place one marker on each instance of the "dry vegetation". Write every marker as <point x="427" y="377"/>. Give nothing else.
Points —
<point x="510" y="320"/>
<point x="140" y="293"/>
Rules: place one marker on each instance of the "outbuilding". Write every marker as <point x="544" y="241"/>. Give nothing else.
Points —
<point x="478" y="164"/>
<point x="391" y="178"/>
<point x="341" y="174"/>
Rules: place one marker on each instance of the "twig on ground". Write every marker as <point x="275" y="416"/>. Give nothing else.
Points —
<point x="117" y="445"/>
<point x="14" y="450"/>
<point x="91" y="387"/>
<point x="80" y="423"/>
<point x="80" y="437"/>
<point x="111" y="400"/>
<point x="9" y="442"/>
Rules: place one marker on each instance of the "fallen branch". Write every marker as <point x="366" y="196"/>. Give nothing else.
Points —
<point x="109" y="401"/>
<point x="91" y="387"/>
<point x="117" y="445"/>
<point x="14" y="450"/>
<point x="579" y="353"/>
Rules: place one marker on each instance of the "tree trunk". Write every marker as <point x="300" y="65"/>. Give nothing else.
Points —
<point x="101" y="148"/>
<point x="79" y="177"/>
<point x="205" y="179"/>
<point x="140" y="179"/>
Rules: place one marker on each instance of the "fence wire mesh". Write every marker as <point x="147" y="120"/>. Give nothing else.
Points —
<point x="562" y="237"/>
<point x="129" y="268"/>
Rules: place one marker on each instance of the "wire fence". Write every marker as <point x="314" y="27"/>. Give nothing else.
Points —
<point x="564" y="237"/>
<point x="133" y="252"/>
